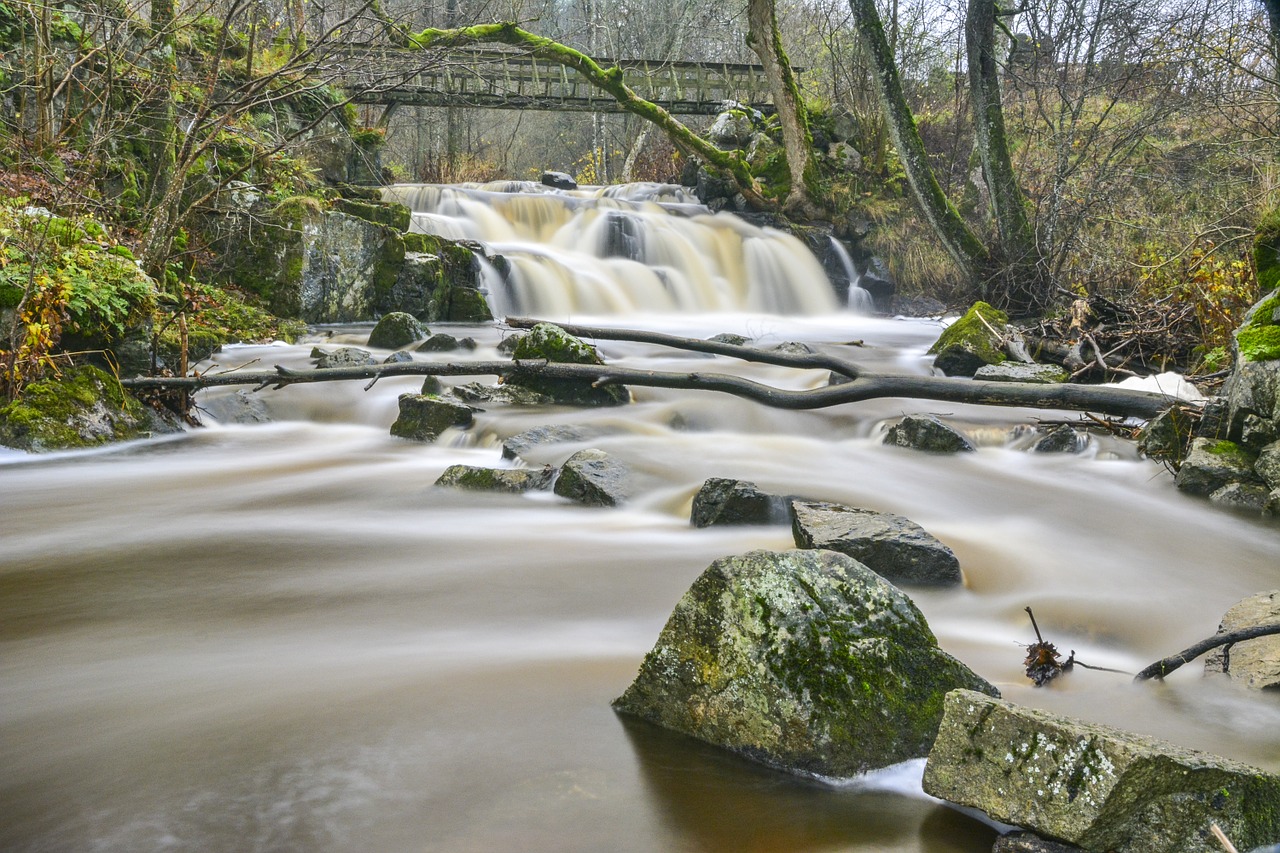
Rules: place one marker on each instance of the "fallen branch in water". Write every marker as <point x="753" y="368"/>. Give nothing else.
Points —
<point x="862" y="386"/>
<point x="1163" y="667"/>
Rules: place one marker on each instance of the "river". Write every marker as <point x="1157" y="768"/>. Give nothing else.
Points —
<point x="279" y="636"/>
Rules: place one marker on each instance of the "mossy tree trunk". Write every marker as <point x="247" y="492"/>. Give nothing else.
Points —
<point x="797" y="140"/>
<point x="608" y="80"/>
<point x="1023" y="282"/>
<point x="160" y="138"/>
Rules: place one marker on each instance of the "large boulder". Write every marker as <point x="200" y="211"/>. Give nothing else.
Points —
<point x="1254" y="663"/>
<point x="1268" y="465"/>
<point x="928" y="434"/>
<point x="971" y="342"/>
<point x="424" y="418"/>
<point x="553" y="344"/>
<point x="803" y="660"/>
<point x="894" y="547"/>
<point x="1253" y="390"/>
<point x="594" y="478"/>
<point x="1213" y="464"/>
<point x="721" y="501"/>
<point x="82" y="407"/>
<point x="395" y="330"/>
<point x="1093" y="786"/>
<point x="511" y="480"/>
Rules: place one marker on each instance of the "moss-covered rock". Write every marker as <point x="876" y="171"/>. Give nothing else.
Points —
<point x="381" y="212"/>
<point x="395" y="330"/>
<point x="82" y="407"/>
<point x="424" y="418"/>
<point x="510" y="480"/>
<point x="1094" y="786"/>
<point x="1258" y="338"/>
<point x="971" y="342"/>
<point x="803" y="660"/>
<point x="1212" y="464"/>
<point x="551" y="343"/>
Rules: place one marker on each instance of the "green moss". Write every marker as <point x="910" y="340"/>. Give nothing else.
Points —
<point x="549" y="342"/>
<point x="1259" y="338"/>
<point x="973" y="331"/>
<point x="83" y="407"/>
<point x="1230" y="452"/>
<point x="394" y="215"/>
<point x="1266" y="252"/>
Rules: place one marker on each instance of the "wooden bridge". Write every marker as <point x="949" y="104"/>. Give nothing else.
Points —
<point x="510" y="80"/>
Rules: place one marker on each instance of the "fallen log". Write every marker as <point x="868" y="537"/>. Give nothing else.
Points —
<point x="1164" y="666"/>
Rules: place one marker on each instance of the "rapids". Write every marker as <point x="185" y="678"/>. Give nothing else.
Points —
<point x="279" y="637"/>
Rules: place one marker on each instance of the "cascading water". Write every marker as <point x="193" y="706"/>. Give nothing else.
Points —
<point x="621" y="249"/>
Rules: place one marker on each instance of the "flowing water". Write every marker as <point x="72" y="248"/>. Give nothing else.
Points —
<point x="278" y="636"/>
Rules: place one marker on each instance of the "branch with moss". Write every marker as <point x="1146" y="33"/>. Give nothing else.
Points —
<point x="608" y="80"/>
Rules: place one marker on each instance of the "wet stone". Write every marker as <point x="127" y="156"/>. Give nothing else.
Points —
<point x="928" y="434"/>
<point x="728" y="502"/>
<point x="594" y="478"/>
<point x="510" y="480"/>
<point x="893" y="547"/>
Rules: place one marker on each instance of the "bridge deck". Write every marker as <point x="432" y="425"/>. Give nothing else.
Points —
<point x="500" y="79"/>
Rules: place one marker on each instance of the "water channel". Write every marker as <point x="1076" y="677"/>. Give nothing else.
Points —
<point x="278" y="636"/>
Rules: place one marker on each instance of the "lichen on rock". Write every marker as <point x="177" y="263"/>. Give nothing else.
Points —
<point x="971" y="341"/>
<point x="803" y="660"/>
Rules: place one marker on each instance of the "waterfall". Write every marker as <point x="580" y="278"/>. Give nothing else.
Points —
<point x="641" y="247"/>
<point x="859" y="299"/>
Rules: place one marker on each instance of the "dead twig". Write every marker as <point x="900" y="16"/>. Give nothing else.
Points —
<point x="1163" y="667"/>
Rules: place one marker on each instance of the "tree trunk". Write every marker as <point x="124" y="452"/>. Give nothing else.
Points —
<point x="160" y="123"/>
<point x="797" y="140"/>
<point x="959" y="241"/>
<point x="1022" y="285"/>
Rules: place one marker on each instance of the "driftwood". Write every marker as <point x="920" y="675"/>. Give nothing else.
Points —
<point x="1163" y="667"/>
<point x="862" y="386"/>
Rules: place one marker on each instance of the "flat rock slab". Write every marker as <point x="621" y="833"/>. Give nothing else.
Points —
<point x="1017" y="371"/>
<point x="1099" y="788"/>
<point x="928" y="434"/>
<point x="342" y="357"/>
<point x="594" y="478"/>
<point x="722" y="501"/>
<point x="893" y="547"/>
<point x="803" y="660"/>
<point x="510" y="480"/>
<point x="518" y="445"/>
<point x="1254" y="663"/>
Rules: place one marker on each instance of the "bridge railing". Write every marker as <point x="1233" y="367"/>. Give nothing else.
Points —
<point x="502" y="79"/>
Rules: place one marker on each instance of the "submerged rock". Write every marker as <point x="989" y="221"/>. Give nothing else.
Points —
<point x="1062" y="439"/>
<point x="1253" y="663"/>
<point x="893" y="547"/>
<point x="424" y="418"/>
<point x="1213" y="464"/>
<point x="396" y="330"/>
<point x="1094" y="786"/>
<point x="341" y="357"/>
<point x="928" y="434"/>
<point x="722" y="501"/>
<point x="513" y="480"/>
<point x="594" y="478"/>
<point x="555" y="345"/>
<point x="803" y="660"/>
<point x="971" y="342"/>
<point x="518" y="445"/>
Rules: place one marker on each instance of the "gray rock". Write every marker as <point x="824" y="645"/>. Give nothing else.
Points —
<point x="518" y="445"/>
<point x="1253" y="390"/>
<point x="1253" y="663"/>
<point x="507" y="345"/>
<point x="729" y="338"/>
<point x="424" y="418"/>
<point x="476" y="392"/>
<point x="1243" y="496"/>
<point x="803" y="660"/>
<point x="971" y="341"/>
<point x="1029" y="842"/>
<point x="240" y="407"/>
<point x="1167" y="436"/>
<point x="342" y="357"/>
<point x="1017" y="371"/>
<point x="1094" y="786"/>
<point x="513" y="480"/>
<point x="1213" y="464"/>
<point x="793" y="348"/>
<point x="555" y="345"/>
<point x="722" y="502"/>
<point x="1062" y="439"/>
<point x="432" y="386"/>
<point x="398" y="357"/>
<point x="594" y="478"/>
<point x="1272" y="509"/>
<point x="559" y="181"/>
<point x="1268" y="465"/>
<point x="439" y="343"/>
<point x="928" y="434"/>
<point x="893" y="547"/>
<point x="396" y="330"/>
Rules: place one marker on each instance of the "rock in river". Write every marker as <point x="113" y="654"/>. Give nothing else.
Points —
<point x="928" y="434"/>
<point x="894" y="547"/>
<point x="513" y="480"/>
<point x="1093" y="786"/>
<point x="722" y="501"/>
<point x="803" y="660"/>
<point x="594" y="478"/>
<point x="1253" y="663"/>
